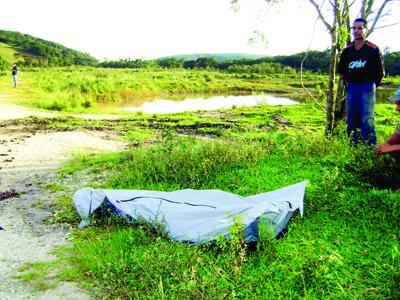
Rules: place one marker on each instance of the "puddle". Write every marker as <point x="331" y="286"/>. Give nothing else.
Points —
<point x="163" y="106"/>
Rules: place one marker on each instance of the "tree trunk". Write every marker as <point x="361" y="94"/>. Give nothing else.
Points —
<point x="340" y="103"/>
<point x="331" y="89"/>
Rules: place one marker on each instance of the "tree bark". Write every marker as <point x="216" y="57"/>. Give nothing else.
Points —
<point x="340" y="102"/>
<point x="331" y="88"/>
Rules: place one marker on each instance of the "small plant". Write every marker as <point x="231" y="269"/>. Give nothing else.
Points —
<point x="57" y="106"/>
<point x="87" y="103"/>
<point x="55" y="187"/>
<point x="237" y="245"/>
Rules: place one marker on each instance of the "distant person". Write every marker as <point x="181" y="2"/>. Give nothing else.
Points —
<point x="392" y="145"/>
<point x="14" y="74"/>
<point x="361" y="66"/>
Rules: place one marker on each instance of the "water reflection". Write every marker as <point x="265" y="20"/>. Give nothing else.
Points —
<point x="213" y="103"/>
<point x="383" y="93"/>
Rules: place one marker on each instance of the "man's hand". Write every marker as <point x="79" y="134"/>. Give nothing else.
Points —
<point x="385" y="148"/>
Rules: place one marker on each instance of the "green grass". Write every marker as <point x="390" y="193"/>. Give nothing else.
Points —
<point x="95" y="90"/>
<point x="38" y="275"/>
<point x="346" y="247"/>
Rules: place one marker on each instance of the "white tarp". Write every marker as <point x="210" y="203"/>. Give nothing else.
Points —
<point x="197" y="216"/>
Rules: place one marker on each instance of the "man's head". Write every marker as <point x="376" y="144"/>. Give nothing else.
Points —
<point x="359" y="29"/>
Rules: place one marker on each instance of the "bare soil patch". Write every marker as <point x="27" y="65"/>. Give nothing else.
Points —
<point x="29" y="160"/>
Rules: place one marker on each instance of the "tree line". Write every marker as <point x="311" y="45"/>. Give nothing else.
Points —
<point x="35" y="52"/>
<point x="316" y="61"/>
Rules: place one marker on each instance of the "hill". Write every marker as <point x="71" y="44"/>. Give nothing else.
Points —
<point x="31" y="51"/>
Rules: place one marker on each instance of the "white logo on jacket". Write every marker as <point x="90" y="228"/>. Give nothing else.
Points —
<point x="357" y="64"/>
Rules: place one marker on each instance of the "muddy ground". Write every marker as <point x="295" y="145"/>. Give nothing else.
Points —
<point x="28" y="161"/>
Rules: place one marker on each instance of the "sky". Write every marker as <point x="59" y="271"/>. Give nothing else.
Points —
<point x="149" y="29"/>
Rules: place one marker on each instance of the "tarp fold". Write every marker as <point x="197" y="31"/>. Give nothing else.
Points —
<point x="197" y="216"/>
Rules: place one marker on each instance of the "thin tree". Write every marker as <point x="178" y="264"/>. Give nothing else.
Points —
<point x="372" y="11"/>
<point x="335" y="15"/>
<point x="339" y="30"/>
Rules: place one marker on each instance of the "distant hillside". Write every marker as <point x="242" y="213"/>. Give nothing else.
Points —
<point x="30" y="51"/>
<point x="218" y="56"/>
<point x="27" y="50"/>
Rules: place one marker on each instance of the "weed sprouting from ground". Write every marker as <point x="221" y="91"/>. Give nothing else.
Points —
<point x="38" y="275"/>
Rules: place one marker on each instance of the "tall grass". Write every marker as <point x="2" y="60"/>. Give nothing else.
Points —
<point x="88" y="89"/>
<point x="181" y="163"/>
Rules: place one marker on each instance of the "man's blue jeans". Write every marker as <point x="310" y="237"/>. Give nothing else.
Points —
<point x="360" y="103"/>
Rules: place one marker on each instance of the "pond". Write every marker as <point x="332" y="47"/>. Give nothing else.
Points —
<point x="163" y="106"/>
<point x="382" y="93"/>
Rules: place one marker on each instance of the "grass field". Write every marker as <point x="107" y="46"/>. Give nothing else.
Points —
<point x="98" y="90"/>
<point x="346" y="247"/>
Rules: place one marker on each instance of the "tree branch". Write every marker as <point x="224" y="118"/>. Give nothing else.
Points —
<point x="369" y="7"/>
<point x="329" y="27"/>
<point x="362" y="9"/>
<point x="301" y="71"/>
<point x="378" y="15"/>
<point x="389" y="25"/>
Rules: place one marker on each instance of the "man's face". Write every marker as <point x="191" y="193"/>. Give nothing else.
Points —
<point x="359" y="31"/>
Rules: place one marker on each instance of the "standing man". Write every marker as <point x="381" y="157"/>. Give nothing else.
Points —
<point x="14" y="74"/>
<point x="361" y="66"/>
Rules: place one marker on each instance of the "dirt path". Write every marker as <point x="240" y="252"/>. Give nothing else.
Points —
<point x="27" y="162"/>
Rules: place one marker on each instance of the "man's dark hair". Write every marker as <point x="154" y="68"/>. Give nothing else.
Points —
<point x="361" y="20"/>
